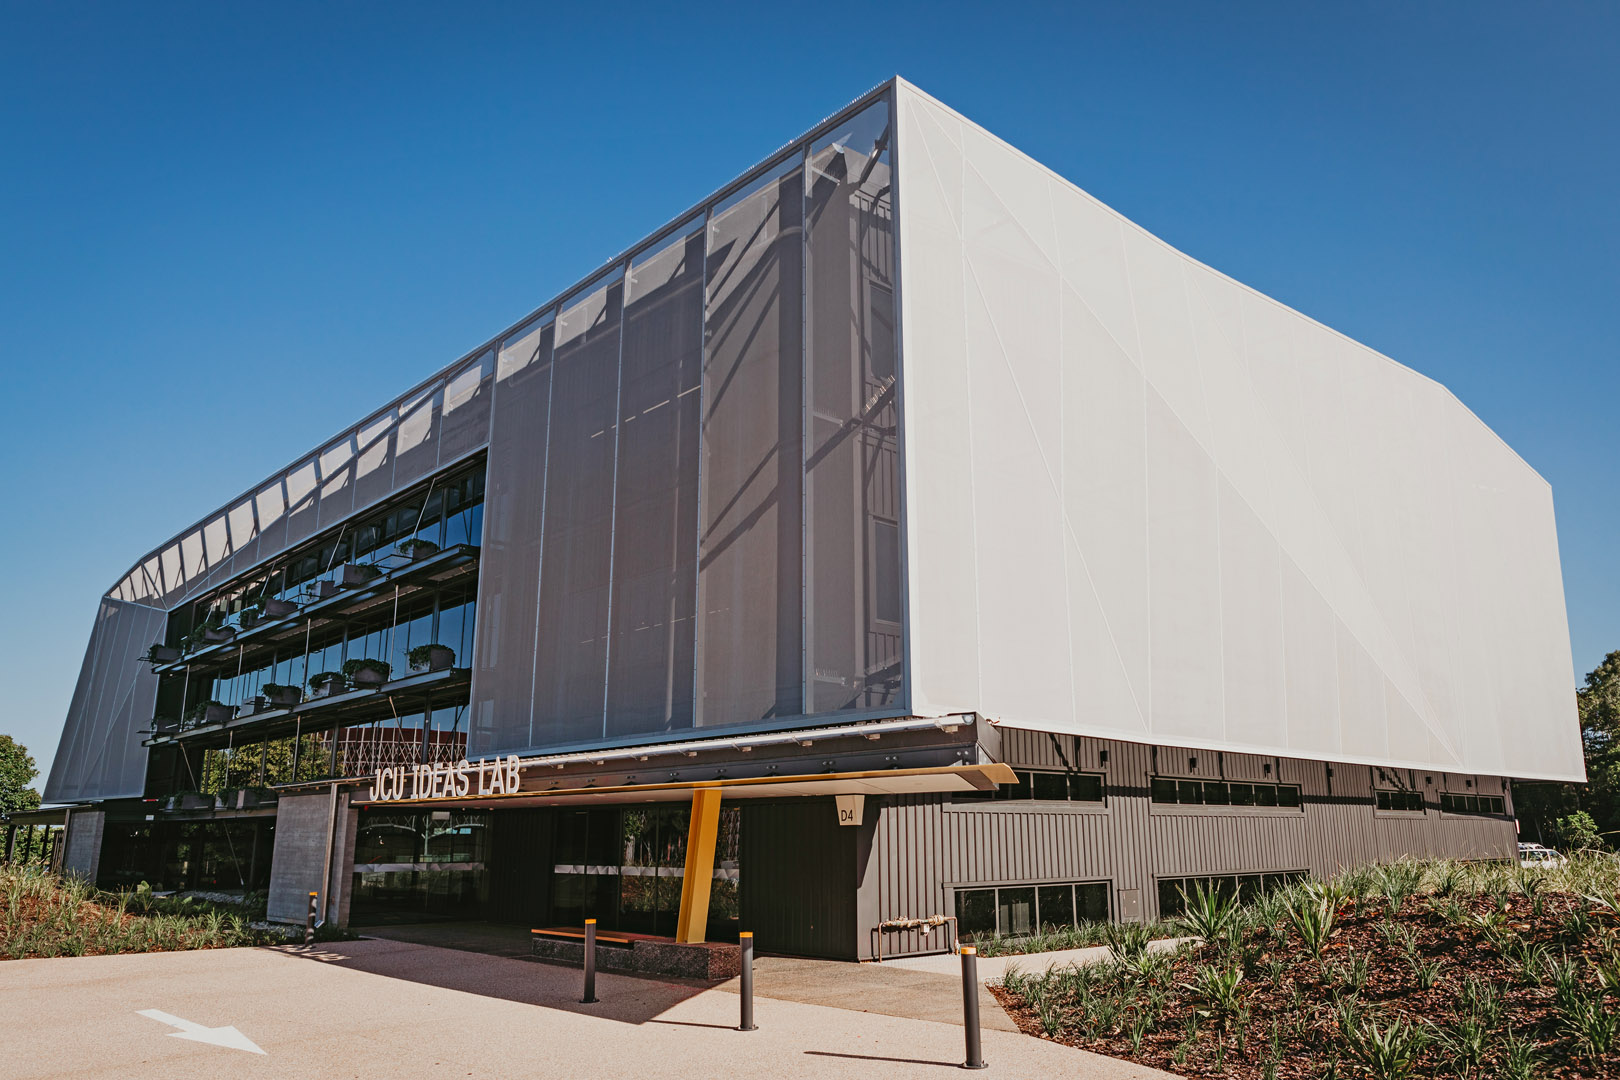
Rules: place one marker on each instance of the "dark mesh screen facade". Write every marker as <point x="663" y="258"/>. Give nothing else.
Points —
<point x="693" y="488"/>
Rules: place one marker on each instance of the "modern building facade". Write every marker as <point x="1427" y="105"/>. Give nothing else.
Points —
<point x="901" y="532"/>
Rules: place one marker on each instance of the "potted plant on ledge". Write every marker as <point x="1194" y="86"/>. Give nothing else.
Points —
<point x="281" y="695"/>
<point x="367" y="672"/>
<point x="358" y="575"/>
<point x="212" y="630"/>
<point x="415" y="549"/>
<point x="252" y="615"/>
<point x="431" y="658"/>
<point x="326" y="683"/>
<point x="162" y="654"/>
<point x="189" y="800"/>
<point x="278" y="609"/>
<point x="205" y="713"/>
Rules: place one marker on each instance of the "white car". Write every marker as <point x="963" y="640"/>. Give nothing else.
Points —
<point x="1534" y="855"/>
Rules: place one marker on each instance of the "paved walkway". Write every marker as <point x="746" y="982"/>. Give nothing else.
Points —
<point x="398" y="1011"/>
<point x="992" y="968"/>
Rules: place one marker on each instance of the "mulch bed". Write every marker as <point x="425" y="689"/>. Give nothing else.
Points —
<point x="1291" y="992"/>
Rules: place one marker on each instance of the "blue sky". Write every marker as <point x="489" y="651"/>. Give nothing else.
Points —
<point x="226" y="231"/>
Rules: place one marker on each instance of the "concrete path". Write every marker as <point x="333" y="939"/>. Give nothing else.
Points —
<point x="992" y="968"/>
<point x="398" y="1011"/>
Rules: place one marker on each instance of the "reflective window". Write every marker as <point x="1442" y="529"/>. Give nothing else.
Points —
<point x="1021" y="910"/>
<point x="1222" y="793"/>
<point x="1245" y="887"/>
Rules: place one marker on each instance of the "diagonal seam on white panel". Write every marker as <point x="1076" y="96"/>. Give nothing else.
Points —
<point x="1068" y="526"/>
<point x="1409" y="682"/>
<point x="973" y="495"/>
<point x="1315" y="586"/>
<point x="939" y="180"/>
<point x="1403" y="677"/>
<point x="1063" y="480"/>
<point x="1220" y="557"/>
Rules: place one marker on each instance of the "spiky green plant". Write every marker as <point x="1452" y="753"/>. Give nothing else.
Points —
<point x="1314" y="916"/>
<point x="1388" y="1052"/>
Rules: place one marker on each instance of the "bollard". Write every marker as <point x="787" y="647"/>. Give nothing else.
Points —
<point x="309" y="920"/>
<point x="590" y="963"/>
<point x="970" y="1007"/>
<point x="746" y="940"/>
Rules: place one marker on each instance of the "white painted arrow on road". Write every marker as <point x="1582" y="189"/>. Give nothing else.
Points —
<point x="220" y="1036"/>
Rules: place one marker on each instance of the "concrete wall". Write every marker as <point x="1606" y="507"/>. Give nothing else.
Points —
<point x="81" y="854"/>
<point x="302" y="824"/>
<point x="928" y="847"/>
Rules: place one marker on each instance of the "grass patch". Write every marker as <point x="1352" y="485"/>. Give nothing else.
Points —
<point x="44" y="914"/>
<point x="1414" y="969"/>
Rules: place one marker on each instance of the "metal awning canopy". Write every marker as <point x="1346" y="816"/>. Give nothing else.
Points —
<point x="943" y="778"/>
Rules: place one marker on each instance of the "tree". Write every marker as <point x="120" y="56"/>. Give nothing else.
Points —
<point x="17" y="770"/>
<point x="1548" y="807"/>
<point x="1578" y="832"/>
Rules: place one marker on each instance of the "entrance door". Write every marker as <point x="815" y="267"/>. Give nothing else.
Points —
<point x="586" y="868"/>
<point x="653" y="869"/>
<point x="799" y="895"/>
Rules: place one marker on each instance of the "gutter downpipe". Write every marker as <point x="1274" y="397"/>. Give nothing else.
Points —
<point x="326" y="867"/>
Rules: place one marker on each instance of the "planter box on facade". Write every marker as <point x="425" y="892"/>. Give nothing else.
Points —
<point x="215" y="635"/>
<point x="162" y="654"/>
<point x="357" y="576"/>
<point x="250" y="706"/>
<point x="250" y="618"/>
<point x="249" y="798"/>
<point x="330" y="688"/>
<point x="368" y="677"/>
<point x="279" y="609"/>
<point x="283" y="697"/>
<point x="439" y="658"/>
<point x="323" y="589"/>
<point x="189" y="800"/>
<point x="218" y="714"/>
<point x="417" y="550"/>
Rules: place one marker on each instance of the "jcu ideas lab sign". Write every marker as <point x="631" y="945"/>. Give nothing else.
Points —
<point x="446" y="781"/>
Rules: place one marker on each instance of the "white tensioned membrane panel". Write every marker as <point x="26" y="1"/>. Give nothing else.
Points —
<point x="1146" y="502"/>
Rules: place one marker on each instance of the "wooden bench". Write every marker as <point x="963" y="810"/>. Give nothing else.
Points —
<point x="612" y="939"/>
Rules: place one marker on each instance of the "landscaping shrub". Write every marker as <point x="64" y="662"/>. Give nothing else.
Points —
<point x="45" y="914"/>
<point x="1418" y="969"/>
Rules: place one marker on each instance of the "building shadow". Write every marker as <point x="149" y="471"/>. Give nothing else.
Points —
<point x="525" y="980"/>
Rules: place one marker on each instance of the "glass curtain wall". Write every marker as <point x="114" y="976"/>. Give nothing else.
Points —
<point x="706" y="449"/>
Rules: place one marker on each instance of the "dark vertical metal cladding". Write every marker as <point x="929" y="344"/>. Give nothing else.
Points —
<point x="798" y="883"/>
<point x="927" y="848"/>
<point x="520" y="866"/>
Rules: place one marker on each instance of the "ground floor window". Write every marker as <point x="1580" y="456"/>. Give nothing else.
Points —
<point x="1222" y="793"/>
<point x="1243" y="886"/>
<point x="1021" y="910"/>
<point x="1452" y="802"/>
<point x="410" y="864"/>
<point x="626" y="868"/>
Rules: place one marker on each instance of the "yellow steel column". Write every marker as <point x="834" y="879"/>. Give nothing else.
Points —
<point x="700" y="837"/>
